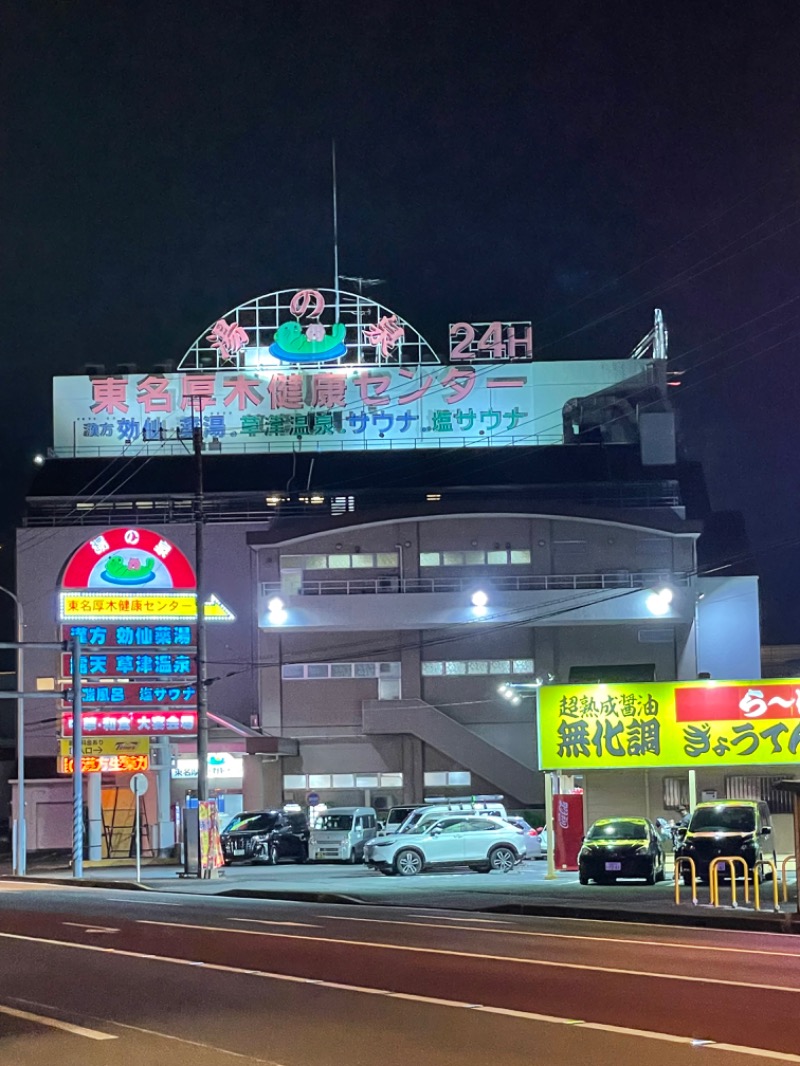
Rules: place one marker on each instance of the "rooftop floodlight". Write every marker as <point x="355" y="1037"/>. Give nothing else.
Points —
<point x="38" y="459"/>
<point x="479" y="598"/>
<point x="656" y="604"/>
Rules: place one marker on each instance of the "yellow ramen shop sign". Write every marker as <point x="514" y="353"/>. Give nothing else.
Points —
<point x="683" y="723"/>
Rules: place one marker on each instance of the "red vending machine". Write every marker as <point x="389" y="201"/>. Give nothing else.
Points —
<point x="568" y="827"/>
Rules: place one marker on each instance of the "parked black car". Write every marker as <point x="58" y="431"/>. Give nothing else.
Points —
<point x="740" y="828"/>
<point x="266" y="836"/>
<point x="621" y="847"/>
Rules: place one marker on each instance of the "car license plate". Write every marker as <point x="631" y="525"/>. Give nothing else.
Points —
<point x="238" y="849"/>
<point x="611" y="866"/>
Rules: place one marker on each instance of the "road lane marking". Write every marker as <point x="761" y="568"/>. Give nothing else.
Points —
<point x="162" y="1036"/>
<point x="678" y="945"/>
<point x="548" y="1019"/>
<point x="56" y="1023"/>
<point x="265" y="921"/>
<point x="477" y="955"/>
<point x="91" y="928"/>
<point x="442" y="918"/>
<point x="145" y="902"/>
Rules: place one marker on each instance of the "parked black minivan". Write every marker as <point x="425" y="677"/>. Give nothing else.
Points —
<point x="727" y="827"/>
<point x="266" y="836"/>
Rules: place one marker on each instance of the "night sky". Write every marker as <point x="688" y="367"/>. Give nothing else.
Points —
<point x="573" y="163"/>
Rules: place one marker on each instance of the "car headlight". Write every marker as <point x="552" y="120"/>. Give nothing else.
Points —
<point x="260" y="839"/>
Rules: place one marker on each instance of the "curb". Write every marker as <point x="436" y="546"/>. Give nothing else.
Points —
<point x="291" y="897"/>
<point x="785" y="922"/>
<point x="83" y="882"/>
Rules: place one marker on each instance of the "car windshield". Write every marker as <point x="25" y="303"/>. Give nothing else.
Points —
<point x="246" y="823"/>
<point x="339" y="823"/>
<point x="618" y="830"/>
<point x="723" y="819"/>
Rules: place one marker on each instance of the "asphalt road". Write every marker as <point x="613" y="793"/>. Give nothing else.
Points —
<point x="95" y="976"/>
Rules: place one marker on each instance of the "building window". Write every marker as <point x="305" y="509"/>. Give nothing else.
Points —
<point x="338" y="561"/>
<point x="448" y="779"/>
<point x="304" y="782"/>
<point x="337" y="671"/>
<point x="476" y="667"/>
<point x="744" y="786"/>
<point x="676" y="793"/>
<point x="515" y="557"/>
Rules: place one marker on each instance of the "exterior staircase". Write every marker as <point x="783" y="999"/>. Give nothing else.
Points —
<point x="434" y="727"/>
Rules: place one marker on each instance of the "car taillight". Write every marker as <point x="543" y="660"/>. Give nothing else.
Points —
<point x="532" y="833"/>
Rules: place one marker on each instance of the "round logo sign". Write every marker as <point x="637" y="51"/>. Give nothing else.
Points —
<point x="312" y="799"/>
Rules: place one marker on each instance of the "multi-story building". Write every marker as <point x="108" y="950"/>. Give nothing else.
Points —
<point x="392" y="604"/>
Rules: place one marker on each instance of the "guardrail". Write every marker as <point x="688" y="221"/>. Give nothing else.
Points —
<point x="693" y="875"/>
<point x="391" y="584"/>
<point x="713" y="878"/>
<point x="784" y="880"/>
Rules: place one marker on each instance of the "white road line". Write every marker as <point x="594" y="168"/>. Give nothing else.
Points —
<point x="161" y="1036"/>
<point x="547" y="1019"/>
<point x="677" y="945"/>
<point x="144" y="902"/>
<point x="265" y="921"/>
<point x="483" y="957"/>
<point x="56" y="1023"/>
<point x="443" y="918"/>
<point x="89" y="928"/>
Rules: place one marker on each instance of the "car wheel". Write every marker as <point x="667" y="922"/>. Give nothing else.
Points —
<point x="272" y="855"/>
<point x="652" y="876"/>
<point x="302" y="856"/>
<point x="503" y="859"/>
<point x="408" y="863"/>
<point x="583" y="878"/>
<point x="352" y="857"/>
<point x="662" y="873"/>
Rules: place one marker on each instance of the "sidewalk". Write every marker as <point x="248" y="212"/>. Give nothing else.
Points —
<point x="524" y="891"/>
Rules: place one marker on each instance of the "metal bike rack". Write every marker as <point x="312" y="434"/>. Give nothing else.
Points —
<point x="693" y="872"/>
<point x="713" y="877"/>
<point x="759" y="866"/>
<point x="784" y="880"/>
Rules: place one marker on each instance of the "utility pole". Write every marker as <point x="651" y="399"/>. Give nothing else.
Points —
<point x="199" y="564"/>
<point x="77" y="760"/>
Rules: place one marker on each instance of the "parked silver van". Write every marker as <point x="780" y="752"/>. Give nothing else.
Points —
<point x="341" y="833"/>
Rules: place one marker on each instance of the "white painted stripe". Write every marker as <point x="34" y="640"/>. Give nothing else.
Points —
<point x="547" y="1019"/>
<point x="483" y="957"/>
<point x="91" y="928"/>
<point x="265" y="921"/>
<point x="676" y="945"/>
<point x="55" y="1023"/>
<point x="161" y="1036"/>
<point x="446" y="918"/>
<point x="144" y="902"/>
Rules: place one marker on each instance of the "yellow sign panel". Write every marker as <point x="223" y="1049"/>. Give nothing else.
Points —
<point x="669" y="724"/>
<point x="86" y="606"/>
<point x="107" y="746"/>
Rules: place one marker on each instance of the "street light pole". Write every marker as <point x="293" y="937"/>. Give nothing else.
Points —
<point x="199" y="563"/>
<point x="21" y="852"/>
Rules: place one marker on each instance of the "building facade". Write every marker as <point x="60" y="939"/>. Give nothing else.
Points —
<point x="388" y="611"/>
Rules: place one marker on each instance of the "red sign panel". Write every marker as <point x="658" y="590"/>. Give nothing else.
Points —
<point x="160" y="723"/>
<point x="730" y="702"/>
<point x="567" y="829"/>
<point x="127" y="560"/>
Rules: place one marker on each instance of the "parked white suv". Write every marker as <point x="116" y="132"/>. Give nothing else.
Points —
<point x="480" y="842"/>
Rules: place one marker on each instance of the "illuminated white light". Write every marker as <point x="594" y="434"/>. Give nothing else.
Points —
<point x="516" y="699"/>
<point x="479" y="598"/>
<point x="502" y="689"/>
<point x="276" y="605"/>
<point x="38" y="460"/>
<point x="665" y="594"/>
<point x="656" y="604"/>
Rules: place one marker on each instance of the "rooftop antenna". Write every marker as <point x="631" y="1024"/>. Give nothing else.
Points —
<point x="362" y="282"/>
<point x="335" y="229"/>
